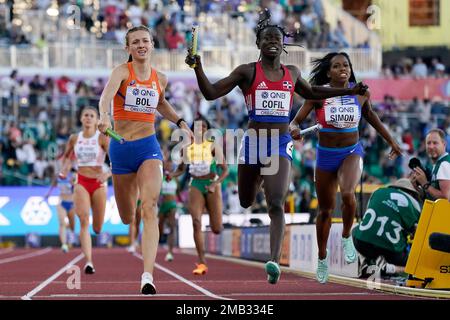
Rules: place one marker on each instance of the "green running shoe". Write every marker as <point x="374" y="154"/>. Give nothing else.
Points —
<point x="273" y="272"/>
<point x="349" y="250"/>
<point x="322" y="269"/>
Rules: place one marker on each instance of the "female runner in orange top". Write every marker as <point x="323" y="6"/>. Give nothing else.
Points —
<point x="138" y="91"/>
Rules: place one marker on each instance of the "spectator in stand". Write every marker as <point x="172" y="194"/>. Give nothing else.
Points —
<point x="437" y="68"/>
<point x="419" y="69"/>
<point x="173" y="38"/>
<point x="7" y="90"/>
<point x="36" y="89"/>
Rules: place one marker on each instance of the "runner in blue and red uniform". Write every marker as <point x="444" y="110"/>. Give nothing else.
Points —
<point x="268" y="87"/>
<point x="339" y="152"/>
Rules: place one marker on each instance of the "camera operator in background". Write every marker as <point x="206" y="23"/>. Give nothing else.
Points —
<point x="438" y="185"/>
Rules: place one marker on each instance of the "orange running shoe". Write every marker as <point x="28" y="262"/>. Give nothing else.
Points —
<point x="200" y="269"/>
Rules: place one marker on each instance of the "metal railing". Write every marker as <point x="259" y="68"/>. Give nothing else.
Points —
<point x="95" y="57"/>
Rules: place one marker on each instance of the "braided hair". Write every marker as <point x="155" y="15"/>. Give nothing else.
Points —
<point x="264" y="23"/>
<point x="322" y="65"/>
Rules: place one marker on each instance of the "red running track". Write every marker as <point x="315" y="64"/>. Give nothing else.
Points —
<point x="48" y="273"/>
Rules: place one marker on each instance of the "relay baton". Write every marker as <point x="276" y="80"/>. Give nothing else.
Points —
<point x="311" y="129"/>
<point x="194" y="33"/>
<point x="110" y="132"/>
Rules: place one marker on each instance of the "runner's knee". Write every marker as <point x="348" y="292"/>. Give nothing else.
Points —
<point x="197" y="224"/>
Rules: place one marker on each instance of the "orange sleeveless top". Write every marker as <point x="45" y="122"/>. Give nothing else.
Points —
<point x="137" y="100"/>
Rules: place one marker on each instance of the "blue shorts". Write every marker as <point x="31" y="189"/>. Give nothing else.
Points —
<point x="128" y="157"/>
<point x="256" y="150"/>
<point x="67" y="205"/>
<point x="330" y="159"/>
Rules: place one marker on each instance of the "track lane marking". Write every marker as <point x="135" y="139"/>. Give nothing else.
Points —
<point x="25" y="256"/>
<point x="30" y="294"/>
<point x="186" y="281"/>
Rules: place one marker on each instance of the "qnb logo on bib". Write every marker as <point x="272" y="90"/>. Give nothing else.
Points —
<point x="87" y="155"/>
<point x="141" y="99"/>
<point x="272" y="103"/>
<point x="341" y="113"/>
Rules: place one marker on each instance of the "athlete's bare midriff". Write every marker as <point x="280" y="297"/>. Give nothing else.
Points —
<point x="169" y="197"/>
<point x="281" y="127"/>
<point x="90" y="172"/>
<point x="209" y="176"/>
<point x="133" y="130"/>
<point x="338" y="140"/>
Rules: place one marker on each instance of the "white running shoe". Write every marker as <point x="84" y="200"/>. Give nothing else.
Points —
<point x="65" y="248"/>
<point x="147" y="286"/>
<point x="131" y="249"/>
<point x="169" y="257"/>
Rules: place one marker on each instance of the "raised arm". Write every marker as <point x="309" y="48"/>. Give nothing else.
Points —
<point x="373" y="119"/>
<point x="212" y="91"/>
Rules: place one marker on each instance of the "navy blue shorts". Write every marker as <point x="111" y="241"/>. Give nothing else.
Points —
<point x="128" y="157"/>
<point x="67" y="205"/>
<point x="330" y="159"/>
<point x="255" y="150"/>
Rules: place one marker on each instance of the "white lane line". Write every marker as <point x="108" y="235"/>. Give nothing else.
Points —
<point x="108" y="295"/>
<point x="305" y="294"/>
<point x="189" y="283"/>
<point x="25" y="256"/>
<point x="3" y="251"/>
<point x="30" y="294"/>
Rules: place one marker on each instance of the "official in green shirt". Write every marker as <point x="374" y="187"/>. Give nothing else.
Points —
<point x="392" y="213"/>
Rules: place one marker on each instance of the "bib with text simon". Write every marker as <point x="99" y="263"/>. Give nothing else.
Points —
<point x="342" y="112"/>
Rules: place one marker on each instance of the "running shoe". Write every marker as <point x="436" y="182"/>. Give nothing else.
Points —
<point x="147" y="286"/>
<point x="65" y="248"/>
<point x="169" y="257"/>
<point x="322" y="269"/>
<point x="273" y="272"/>
<point x="385" y="268"/>
<point x="200" y="269"/>
<point x="131" y="249"/>
<point x="89" y="268"/>
<point x="349" y="250"/>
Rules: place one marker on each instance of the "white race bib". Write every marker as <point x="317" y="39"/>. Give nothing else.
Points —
<point x="141" y="99"/>
<point x="341" y="112"/>
<point x="86" y="155"/>
<point x="199" y="168"/>
<point x="272" y="103"/>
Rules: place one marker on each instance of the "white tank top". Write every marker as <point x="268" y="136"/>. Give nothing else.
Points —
<point x="88" y="151"/>
<point x="169" y="188"/>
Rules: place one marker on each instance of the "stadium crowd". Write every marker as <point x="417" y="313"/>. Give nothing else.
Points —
<point x="170" y="21"/>
<point x="39" y="114"/>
